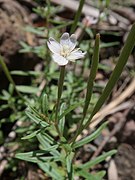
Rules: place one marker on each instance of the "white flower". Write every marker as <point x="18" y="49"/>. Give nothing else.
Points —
<point x="65" y="51"/>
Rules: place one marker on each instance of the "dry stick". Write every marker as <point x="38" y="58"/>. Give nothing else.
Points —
<point x="41" y="87"/>
<point x="121" y="88"/>
<point x="116" y="128"/>
<point x="106" y="110"/>
<point x="121" y="107"/>
<point x="93" y="12"/>
<point x="113" y="106"/>
<point x="3" y="165"/>
<point x="73" y="5"/>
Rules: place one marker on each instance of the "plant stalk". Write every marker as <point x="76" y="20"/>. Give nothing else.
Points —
<point x="60" y="89"/>
<point x="92" y="75"/>
<point x="77" y="16"/>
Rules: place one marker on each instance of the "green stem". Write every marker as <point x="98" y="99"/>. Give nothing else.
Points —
<point x="92" y="75"/>
<point x="123" y="58"/>
<point x="77" y="16"/>
<point x="60" y="89"/>
<point x="9" y="77"/>
<point x="48" y="17"/>
<point x="94" y="67"/>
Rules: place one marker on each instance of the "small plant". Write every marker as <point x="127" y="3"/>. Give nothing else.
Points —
<point x="57" y="155"/>
<point x="51" y="118"/>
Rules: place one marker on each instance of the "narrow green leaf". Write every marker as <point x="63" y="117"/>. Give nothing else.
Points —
<point x="97" y="160"/>
<point x="94" y="176"/>
<point x="31" y="135"/>
<point x="91" y="137"/>
<point x="124" y="55"/>
<point x="34" y="111"/>
<point x="47" y="141"/>
<point x="6" y="94"/>
<point x="85" y="174"/>
<point x="11" y="89"/>
<point x="94" y="67"/>
<point x="36" y="156"/>
<point x="51" y="170"/>
<point x="4" y="106"/>
<point x="69" y="166"/>
<point x="62" y="120"/>
<point x="34" y="30"/>
<point x="63" y="25"/>
<point x="100" y="175"/>
<point x="71" y="108"/>
<point x="36" y="119"/>
<point x="110" y="44"/>
<point x="19" y="73"/>
<point x="38" y="115"/>
<point x="27" y="89"/>
<point x="45" y="105"/>
<point x="25" y="73"/>
<point x="46" y="137"/>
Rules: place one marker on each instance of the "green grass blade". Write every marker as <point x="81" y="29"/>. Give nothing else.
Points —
<point x="94" y="67"/>
<point x="126" y="51"/>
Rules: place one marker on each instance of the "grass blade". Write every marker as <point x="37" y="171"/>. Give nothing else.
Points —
<point x="94" y="66"/>
<point x="126" y="51"/>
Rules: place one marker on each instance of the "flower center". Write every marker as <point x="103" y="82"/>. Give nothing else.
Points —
<point x="65" y="50"/>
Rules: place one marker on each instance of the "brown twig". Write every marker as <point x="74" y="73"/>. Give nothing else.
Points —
<point x="73" y="5"/>
<point x="116" y="129"/>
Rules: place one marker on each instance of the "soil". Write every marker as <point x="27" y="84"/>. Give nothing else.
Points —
<point x="13" y="19"/>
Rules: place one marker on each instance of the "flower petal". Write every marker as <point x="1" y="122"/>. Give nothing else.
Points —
<point x="60" y="60"/>
<point x="72" y="41"/>
<point x="67" y="41"/>
<point x="64" y="40"/>
<point x="76" y="54"/>
<point x="54" y="46"/>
